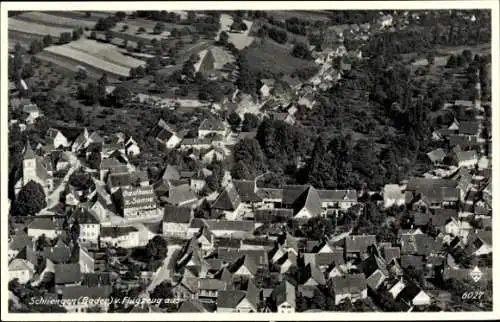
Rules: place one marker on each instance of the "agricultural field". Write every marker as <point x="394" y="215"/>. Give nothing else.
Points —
<point x="55" y="21"/>
<point x="36" y="28"/>
<point x="91" y="54"/>
<point x="106" y="52"/>
<point x="78" y="15"/>
<point x="270" y="56"/>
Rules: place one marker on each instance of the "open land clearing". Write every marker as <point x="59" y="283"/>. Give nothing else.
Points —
<point x="270" y="56"/>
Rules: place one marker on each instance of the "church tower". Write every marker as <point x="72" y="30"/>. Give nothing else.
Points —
<point x="29" y="165"/>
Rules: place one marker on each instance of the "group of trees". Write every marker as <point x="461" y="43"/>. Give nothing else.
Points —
<point x="248" y="159"/>
<point x="162" y="16"/>
<point x="300" y="50"/>
<point x="238" y="23"/>
<point x="276" y="34"/>
<point x="30" y="200"/>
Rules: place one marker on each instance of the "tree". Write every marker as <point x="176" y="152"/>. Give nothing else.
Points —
<point x="300" y="50"/>
<point x="47" y="40"/>
<point x="240" y="171"/>
<point x="467" y="54"/>
<point x="195" y="38"/>
<point x="156" y="248"/>
<point x="159" y="28"/>
<point x="31" y="199"/>
<point x="141" y="30"/>
<point x="120" y="15"/>
<point x="81" y="74"/>
<point x="321" y="168"/>
<point x="35" y="47"/>
<point x="120" y="96"/>
<point x="238" y="24"/>
<point x="65" y="38"/>
<point x="250" y="122"/>
<point x="234" y="121"/>
<point x="319" y="228"/>
<point x="247" y="80"/>
<point x="75" y="35"/>
<point x="80" y="180"/>
<point x="163" y="291"/>
<point x="223" y="38"/>
<point x="140" y="46"/>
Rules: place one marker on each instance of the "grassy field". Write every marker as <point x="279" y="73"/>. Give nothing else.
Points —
<point x="55" y="21"/>
<point x="36" y="28"/>
<point x="270" y="56"/>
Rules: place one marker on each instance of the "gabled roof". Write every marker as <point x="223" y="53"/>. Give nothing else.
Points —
<point x="230" y="225"/>
<point x="211" y="284"/>
<point x="412" y="260"/>
<point x="359" y="243"/>
<point x="391" y="252"/>
<point x="354" y="283"/>
<point x="270" y="193"/>
<point x="84" y="216"/>
<point x="60" y="253"/>
<point x="20" y="240"/>
<point x="115" y="232"/>
<point x="230" y="299"/>
<point x="300" y="197"/>
<point x="409" y="292"/>
<point x="312" y="271"/>
<point x="284" y="293"/>
<point x="227" y="199"/>
<point x="18" y="264"/>
<point x="468" y="127"/>
<point x="28" y="152"/>
<point x="436" y="155"/>
<point x="175" y="214"/>
<point x="420" y="244"/>
<point x="46" y="223"/>
<point x="338" y="195"/>
<point x="212" y="124"/>
<point x="67" y="273"/>
<point x="246" y="190"/>
<point x="466" y="155"/>
<point x="442" y="216"/>
<point x="181" y="194"/>
<point x="422" y="184"/>
<point x="96" y="279"/>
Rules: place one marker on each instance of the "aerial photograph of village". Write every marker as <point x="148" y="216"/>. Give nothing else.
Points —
<point x="249" y="161"/>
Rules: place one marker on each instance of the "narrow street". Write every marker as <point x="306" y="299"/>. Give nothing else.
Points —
<point x="53" y="197"/>
<point x="166" y="270"/>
